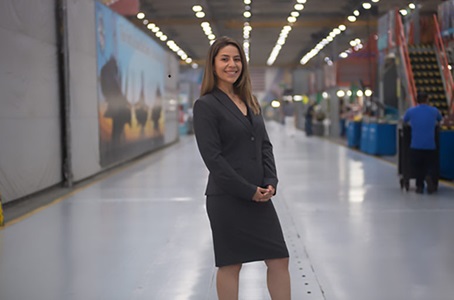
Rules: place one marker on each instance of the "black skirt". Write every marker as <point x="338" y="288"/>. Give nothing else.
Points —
<point x="244" y="231"/>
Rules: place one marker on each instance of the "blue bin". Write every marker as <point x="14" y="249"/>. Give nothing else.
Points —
<point x="384" y="139"/>
<point x="378" y="139"/>
<point x="353" y="134"/>
<point x="364" y="144"/>
<point x="446" y="154"/>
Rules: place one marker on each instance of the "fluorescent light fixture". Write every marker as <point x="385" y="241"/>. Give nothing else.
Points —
<point x="299" y="6"/>
<point x="340" y="93"/>
<point x="367" y="5"/>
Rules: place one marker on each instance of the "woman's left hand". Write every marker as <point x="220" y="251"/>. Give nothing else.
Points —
<point x="271" y="190"/>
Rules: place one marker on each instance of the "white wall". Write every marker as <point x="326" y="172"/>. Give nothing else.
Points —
<point x="83" y="91"/>
<point x="30" y="150"/>
<point x="30" y="135"/>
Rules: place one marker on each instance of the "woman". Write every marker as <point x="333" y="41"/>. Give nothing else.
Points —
<point x="235" y="147"/>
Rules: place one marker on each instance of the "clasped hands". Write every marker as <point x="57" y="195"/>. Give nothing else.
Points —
<point x="263" y="194"/>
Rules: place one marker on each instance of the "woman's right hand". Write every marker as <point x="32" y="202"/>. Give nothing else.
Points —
<point x="262" y="195"/>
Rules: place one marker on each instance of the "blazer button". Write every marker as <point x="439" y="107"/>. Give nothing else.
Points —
<point x="252" y="138"/>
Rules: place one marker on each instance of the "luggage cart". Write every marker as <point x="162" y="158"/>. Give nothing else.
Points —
<point x="405" y="170"/>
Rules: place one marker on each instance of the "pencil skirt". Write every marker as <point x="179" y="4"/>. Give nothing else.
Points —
<point x="244" y="231"/>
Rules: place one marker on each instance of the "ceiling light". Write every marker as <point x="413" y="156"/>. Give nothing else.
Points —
<point x="342" y="27"/>
<point x="140" y="15"/>
<point x="151" y="26"/>
<point x="188" y="60"/>
<point x="299" y="6"/>
<point x="340" y="93"/>
<point x="367" y="5"/>
<point x="155" y="29"/>
<point x="375" y="1"/>
<point x="351" y="18"/>
<point x="197" y="8"/>
<point x="343" y="55"/>
<point x="359" y="93"/>
<point x="412" y="6"/>
<point x="163" y="38"/>
<point x="194" y="66"/>
<point x="285" y="31"/>
<point x="159" y="34"/>
<point x="145" y="22"/>
<point x="297" y="98"/>
<point x="247" y="2"/>
<point x="200" y="14"/>
<point x="356" y="13"/>
<point x="368" y="92"/>
<point x="247" y="14"/>
<point x="336" y="31"/>
<point x="275" y="104"/>
<point x="205" y="24"/>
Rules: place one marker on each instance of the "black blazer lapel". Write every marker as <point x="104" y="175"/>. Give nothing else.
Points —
<point x="228" y="103"/>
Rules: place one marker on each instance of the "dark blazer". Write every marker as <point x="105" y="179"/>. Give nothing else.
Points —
<point x="238" y="154"/>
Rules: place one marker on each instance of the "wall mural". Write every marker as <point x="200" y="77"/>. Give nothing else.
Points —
<point x="131" y="71"/>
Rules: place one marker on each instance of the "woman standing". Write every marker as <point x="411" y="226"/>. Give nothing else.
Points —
<point x="235" y="147"/>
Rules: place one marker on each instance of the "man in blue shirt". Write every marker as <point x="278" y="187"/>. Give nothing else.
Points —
<point x="423" y="119"/>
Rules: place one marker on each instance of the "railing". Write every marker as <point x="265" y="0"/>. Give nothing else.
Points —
<point x="444" y="65"/>
<point x="402" y="44"/>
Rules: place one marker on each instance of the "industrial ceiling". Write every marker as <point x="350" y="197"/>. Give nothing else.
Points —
<point x="177" y="20"/>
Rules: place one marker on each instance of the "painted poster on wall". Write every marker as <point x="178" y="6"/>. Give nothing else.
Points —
<point x="131" y="88"/>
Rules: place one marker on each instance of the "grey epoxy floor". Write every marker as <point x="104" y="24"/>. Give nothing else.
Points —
<point x="142" y="233"/>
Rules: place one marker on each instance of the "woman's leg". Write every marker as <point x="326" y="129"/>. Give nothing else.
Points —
<point x="227" y="282"/>
<point x="278" y="278"/>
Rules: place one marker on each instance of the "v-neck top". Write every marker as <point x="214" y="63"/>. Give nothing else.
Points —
<point x="248" y="115"/>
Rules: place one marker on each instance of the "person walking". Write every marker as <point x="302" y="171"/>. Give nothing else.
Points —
<point x="235" y="147"/>
<point x="423" y="120"/>
<point x="309" y="115"/>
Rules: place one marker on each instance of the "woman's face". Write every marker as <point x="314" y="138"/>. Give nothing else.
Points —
<point x="227" y="65"/>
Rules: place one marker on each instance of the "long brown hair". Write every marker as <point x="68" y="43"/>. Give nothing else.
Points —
<point x="242" y="86"/>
